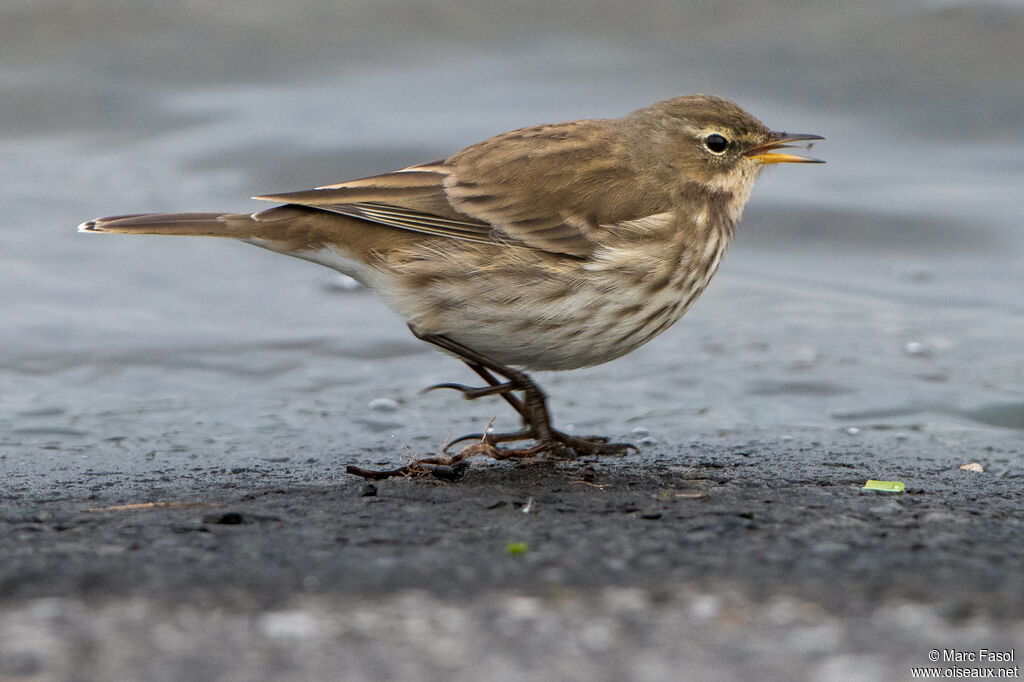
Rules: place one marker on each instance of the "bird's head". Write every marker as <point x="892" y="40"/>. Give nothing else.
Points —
<point x="711" y="141"/>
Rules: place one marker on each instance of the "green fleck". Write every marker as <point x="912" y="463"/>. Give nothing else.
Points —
<point x="516" y="548"/>
<point x="885" y="486"/>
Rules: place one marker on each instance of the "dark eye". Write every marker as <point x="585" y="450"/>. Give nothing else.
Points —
<point x="716" y="143"/>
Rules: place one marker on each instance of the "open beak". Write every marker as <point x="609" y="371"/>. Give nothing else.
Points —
<point x="767" y="153"/>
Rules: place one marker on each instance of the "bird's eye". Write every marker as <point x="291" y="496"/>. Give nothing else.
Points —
<point x="715" y="143"/>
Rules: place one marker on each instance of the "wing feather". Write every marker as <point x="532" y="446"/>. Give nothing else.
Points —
<point x="551" y="187"/>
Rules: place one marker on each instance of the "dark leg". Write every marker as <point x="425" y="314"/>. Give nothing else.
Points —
<point x="532" y="407"/>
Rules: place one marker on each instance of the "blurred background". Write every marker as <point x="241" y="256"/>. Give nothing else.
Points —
<point x="881" y="290"/>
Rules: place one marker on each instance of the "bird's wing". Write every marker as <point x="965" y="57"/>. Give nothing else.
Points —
<point x="527" y="187"/>
<point x="410" y="199"/>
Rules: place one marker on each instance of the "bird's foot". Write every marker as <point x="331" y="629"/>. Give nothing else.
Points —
<point x="448" y="467"/>
<point x="452" y="467"/>
<point x="554" y="442"/>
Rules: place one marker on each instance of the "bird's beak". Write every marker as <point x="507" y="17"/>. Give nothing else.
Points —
<point x="766" y="153"/>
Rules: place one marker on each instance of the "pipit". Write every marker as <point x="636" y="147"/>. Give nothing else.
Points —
<point x="551" y="247"/>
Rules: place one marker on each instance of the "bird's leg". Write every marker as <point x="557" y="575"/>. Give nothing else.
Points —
<point x="494" y="387"/>
<point x="532" y="407"/>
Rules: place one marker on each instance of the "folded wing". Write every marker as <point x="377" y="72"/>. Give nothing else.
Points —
<point x="525" y="188"/>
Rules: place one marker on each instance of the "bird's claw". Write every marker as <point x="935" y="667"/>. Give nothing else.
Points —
<point x="556" y="441"/>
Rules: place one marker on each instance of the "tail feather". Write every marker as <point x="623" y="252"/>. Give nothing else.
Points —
<point x="294" y="230"/>
<point x="238" y="226"/>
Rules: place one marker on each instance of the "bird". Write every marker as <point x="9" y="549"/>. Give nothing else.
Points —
<point x="550" y="247"/>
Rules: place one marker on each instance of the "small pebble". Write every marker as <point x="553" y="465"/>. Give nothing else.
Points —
<point x="853" y="431"/>
<point x="916" y="348"/>
<point x="382" y="405"/>
<point x="369" y="490"/>
<point x="647" y="440"/>
<point x="450" y="473"/>
<point x="289" y="625"/>
<point x="639" y="431"/>
<point x="973" y="466"/>
<point x="225" y="519"/>
<point x="705" y="607"/>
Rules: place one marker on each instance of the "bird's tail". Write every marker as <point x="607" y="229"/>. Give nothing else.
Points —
<point x="231" y="225"/>
<point x="290" y="229"/>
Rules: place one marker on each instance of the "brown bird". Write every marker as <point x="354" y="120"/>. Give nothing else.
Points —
<point x="550" y="247"/>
